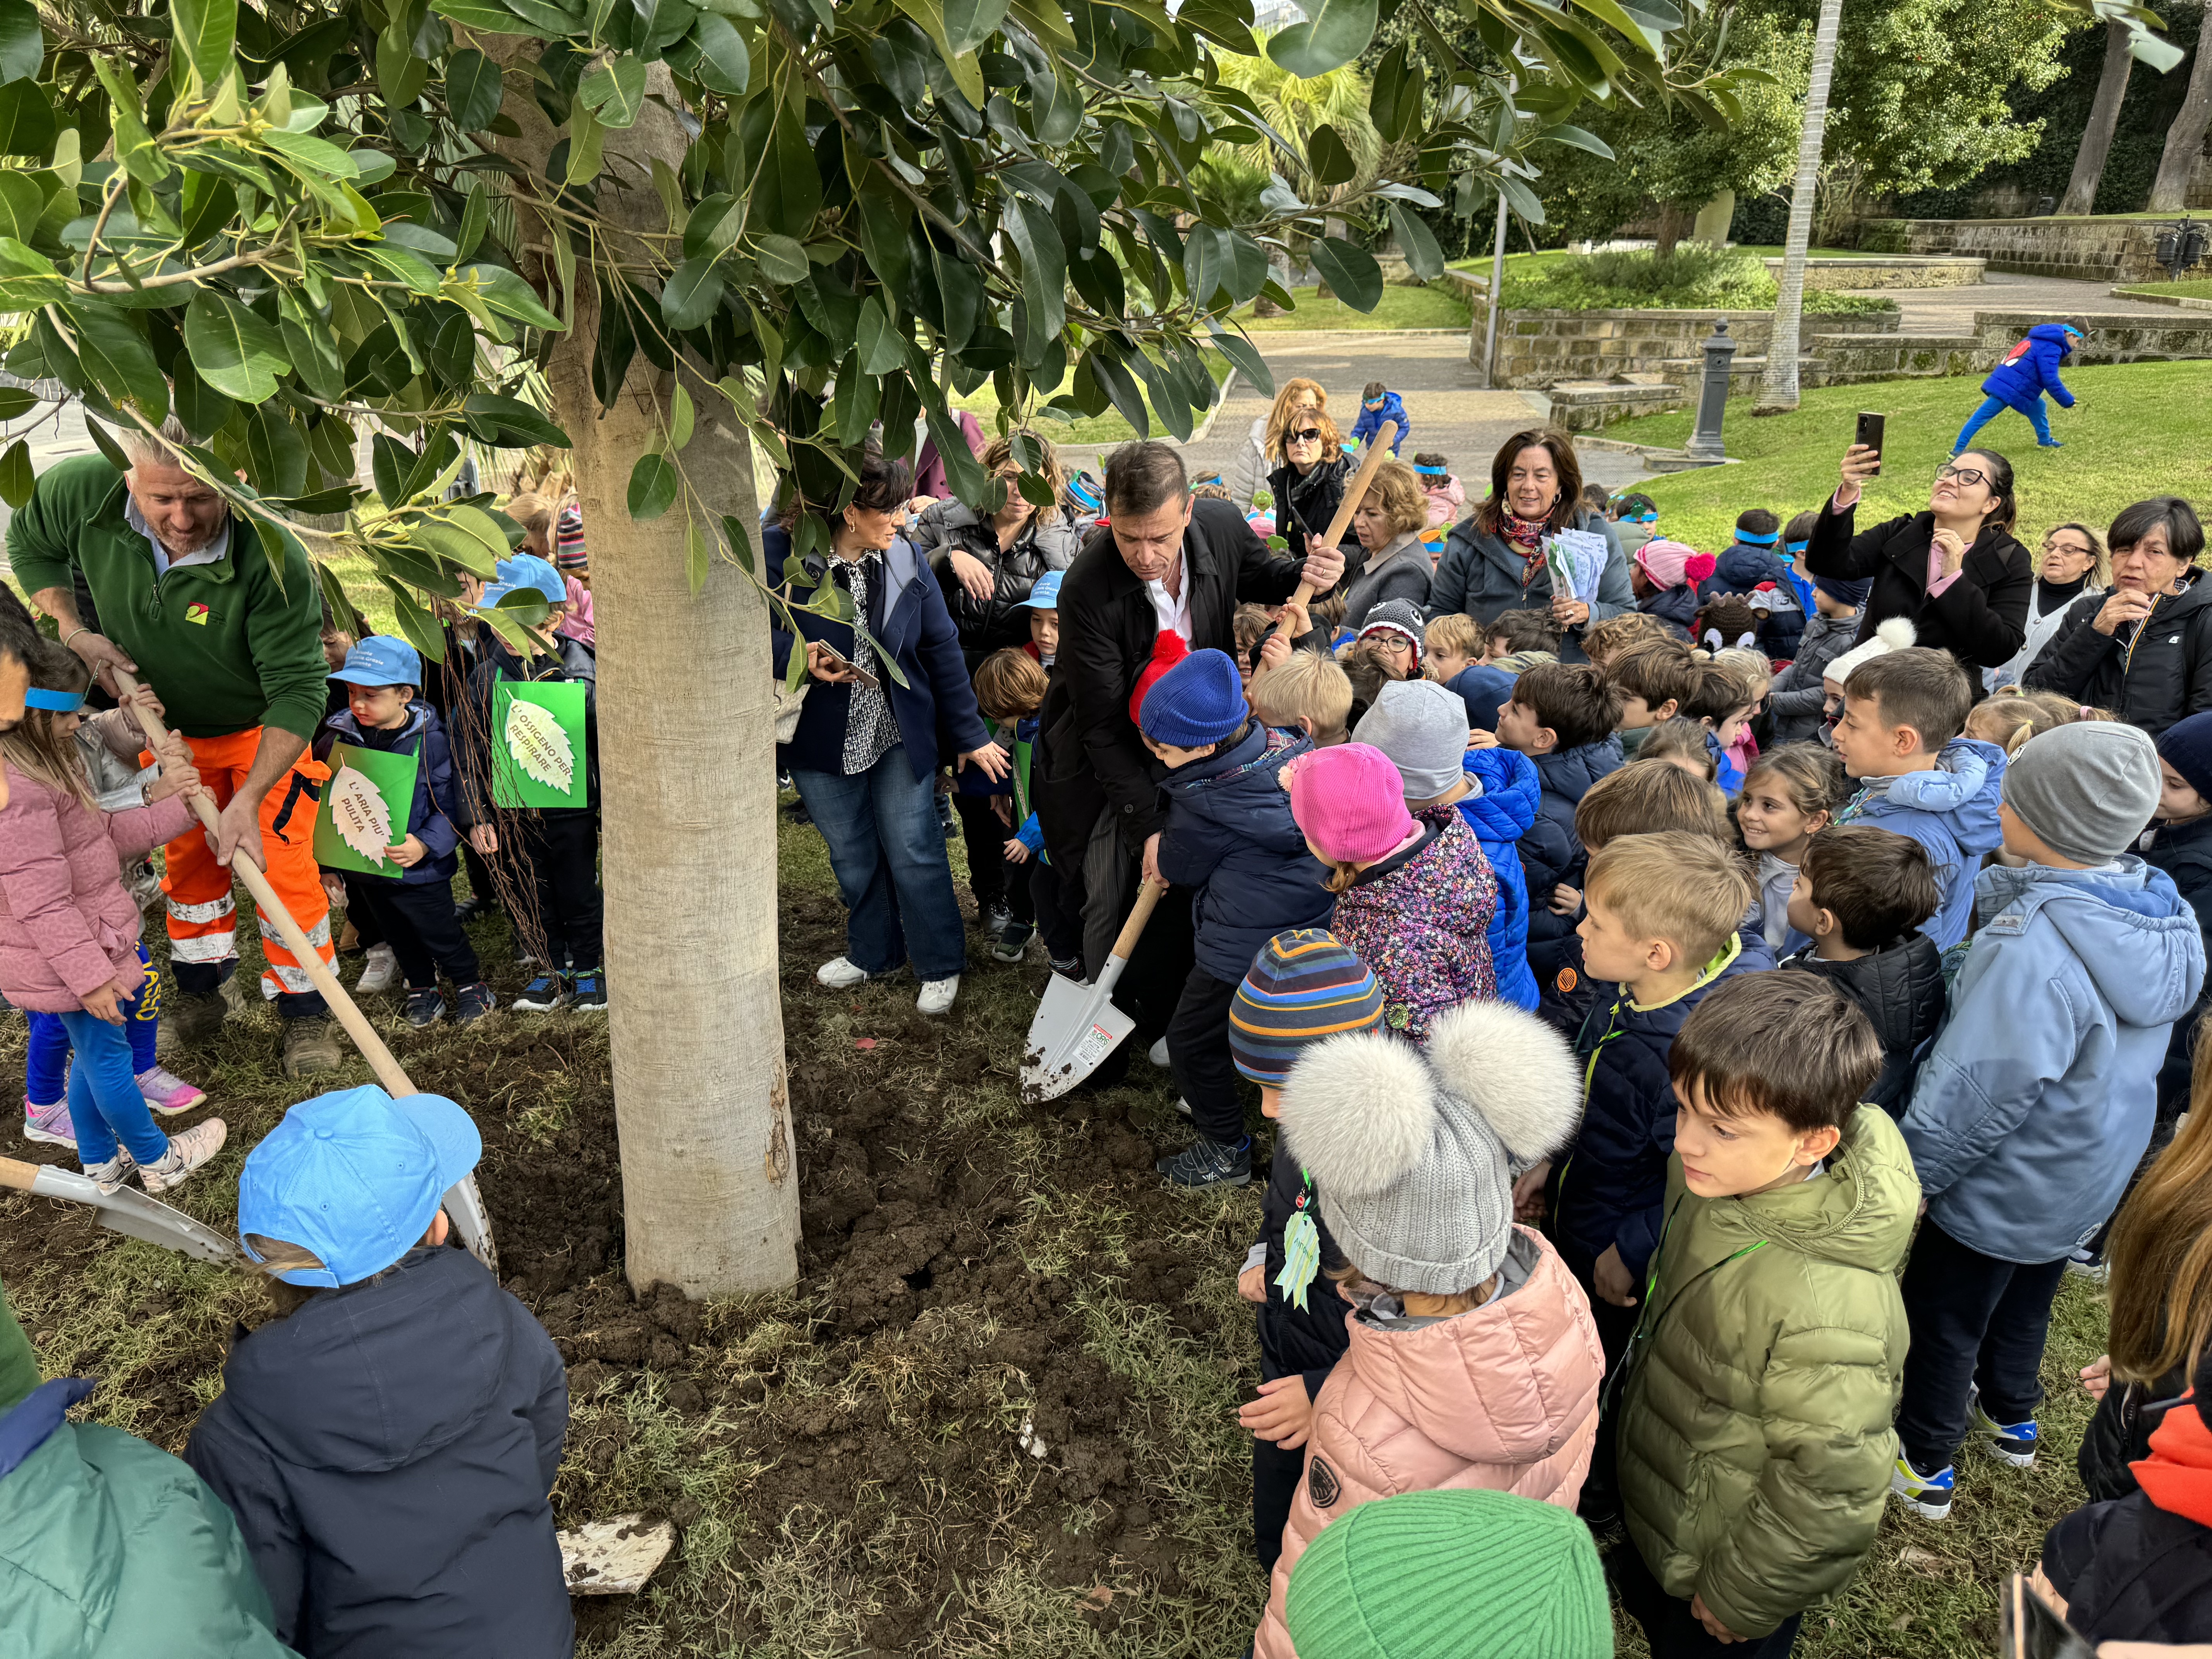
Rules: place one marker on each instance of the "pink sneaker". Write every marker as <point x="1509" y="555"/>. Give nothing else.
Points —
<point x="167" y="1093"/>
<point x="49" y="1124"/>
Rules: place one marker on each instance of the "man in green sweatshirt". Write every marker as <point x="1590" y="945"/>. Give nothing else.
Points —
<point x="186" y="598"/>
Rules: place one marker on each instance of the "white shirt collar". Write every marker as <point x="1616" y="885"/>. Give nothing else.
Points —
<point x="1173" y="609"/>
<point x="213" y="553"/>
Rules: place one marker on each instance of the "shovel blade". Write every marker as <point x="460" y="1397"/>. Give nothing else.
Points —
<point x="1076" y="1027"/>
<point x="134" y="1215"/>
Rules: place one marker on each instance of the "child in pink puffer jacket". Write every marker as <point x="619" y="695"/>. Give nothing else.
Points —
<point x="1474" y="1361"/>
<point x="69" y="927"/>
<point x="1446" y="495"/>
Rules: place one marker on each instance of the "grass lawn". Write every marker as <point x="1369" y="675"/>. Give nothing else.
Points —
<point x="2141" y="429"/>
<point x="1400" y="307"/>
<point x="844" y="1462"/>
<point x="2193" y="288"/>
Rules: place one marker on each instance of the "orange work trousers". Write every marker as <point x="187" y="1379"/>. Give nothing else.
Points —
<point x="203" y="911"/>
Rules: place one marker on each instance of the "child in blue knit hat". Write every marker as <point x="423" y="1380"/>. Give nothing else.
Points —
<point x="1230" y="839"/>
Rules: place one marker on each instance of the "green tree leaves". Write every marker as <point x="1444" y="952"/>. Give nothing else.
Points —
<point x="233" y="350"/>
<point x="1335" y="32"/>
<point x="472" y="89"/>
<point x="652" y="486"/>
<point x="206" y="34"/>
<point x="22" y="43"/>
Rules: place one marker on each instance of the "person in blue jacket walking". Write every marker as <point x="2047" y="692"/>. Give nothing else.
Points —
<point x="2029" y="370"/>
<point x="1379" y="403"/>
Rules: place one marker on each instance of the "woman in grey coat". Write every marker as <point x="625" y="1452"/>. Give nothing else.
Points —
<point x="1494" y="560"/>
<point x="1389" y="521"/>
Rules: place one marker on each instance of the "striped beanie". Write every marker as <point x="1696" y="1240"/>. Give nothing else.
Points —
<point x="568" y="539"/>
<point x="1305" y="985"/>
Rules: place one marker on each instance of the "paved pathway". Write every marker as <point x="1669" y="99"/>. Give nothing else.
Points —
<point x="1951" y="310"/>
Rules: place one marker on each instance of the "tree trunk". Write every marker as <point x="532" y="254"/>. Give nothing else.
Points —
<point x="1779" y="391"/>
<point x="1675" y="219"/>
<point x="2184" y="139"/>
<point x="2104" y="120"/>
<point x="710" y="1186"/>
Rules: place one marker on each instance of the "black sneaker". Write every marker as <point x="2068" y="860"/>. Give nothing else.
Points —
<point x="542" y="995"/>
<point x="425" y="1008"/>
<point x="469" y="909"/>
<point x="588" y="991"/>
<point x="472" y="1003"/>
<point x="1013" y="942"/>
<point x="994" y="918"/>
<point x="1206" y="1162"/>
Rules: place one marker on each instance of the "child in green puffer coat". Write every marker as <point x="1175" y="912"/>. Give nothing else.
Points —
<point x="1755" y="1440"/>
<point x="111" y="1548"/>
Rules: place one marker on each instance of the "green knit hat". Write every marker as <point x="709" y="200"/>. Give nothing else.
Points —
<point x="1451" y="1575"/>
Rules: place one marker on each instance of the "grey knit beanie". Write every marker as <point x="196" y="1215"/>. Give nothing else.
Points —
<point x="1412" y="1154"/>
<point x="1422" y="726"/>
<point x="2087" y="789"/>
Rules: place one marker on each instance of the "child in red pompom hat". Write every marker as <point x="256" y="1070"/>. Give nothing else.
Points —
<point x="1664" y="576"/>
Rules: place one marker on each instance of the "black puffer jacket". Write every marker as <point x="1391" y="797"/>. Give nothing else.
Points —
<point x="1048" y="542"/>
<point x="2119" y="1434"/>
<point x="2131" y="1571"/>
<point x="2151" y="675"/>
<point x="1312" y="1341"/>
<point x="1304" y="505"/>
<point x="1980" y="619"/>
<point x="2183" y="851"/>
<point x="1900" y="986"/>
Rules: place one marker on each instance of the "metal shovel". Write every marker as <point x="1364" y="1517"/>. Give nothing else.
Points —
<point x="125" y="1211"/>
<point x="1076" y="1026"/>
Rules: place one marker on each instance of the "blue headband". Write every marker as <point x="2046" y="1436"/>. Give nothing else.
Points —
<point x="60" y="702"/>
<point x="1750" y="540"/>
<point x="1431" y="471"/>
<point x="1651" y="517"/>
<point x="1796" y="547"/>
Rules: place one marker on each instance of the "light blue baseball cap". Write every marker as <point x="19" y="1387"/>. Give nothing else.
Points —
<point x="355" y="1176"/>
<point x="1045" y="596"/>
<point x="380" y="660"/>
<point x="528" y="570"/>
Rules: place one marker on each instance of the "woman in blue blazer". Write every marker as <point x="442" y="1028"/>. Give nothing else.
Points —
<point x="865" y="753"/>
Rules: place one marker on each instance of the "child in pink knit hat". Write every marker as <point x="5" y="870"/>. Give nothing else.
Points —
<point x="1664" y="577"/>
<point x="1414" y="895"/>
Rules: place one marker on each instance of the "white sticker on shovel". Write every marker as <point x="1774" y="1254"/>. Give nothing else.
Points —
<point x="1098" y="1042"/>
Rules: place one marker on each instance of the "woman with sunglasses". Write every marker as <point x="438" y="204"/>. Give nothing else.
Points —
<point x="1310" y="475"/>
<point x="1953" y="570"/>
<point x="2075" y="566"/>
<point x="2144" y="650"/>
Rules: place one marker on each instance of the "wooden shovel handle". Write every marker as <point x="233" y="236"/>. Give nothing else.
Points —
<point x="17" y="1175"/>
<point x="380" y="1058"/>
<point x="1148" y="899"/>
<point x="1339" y="523"/>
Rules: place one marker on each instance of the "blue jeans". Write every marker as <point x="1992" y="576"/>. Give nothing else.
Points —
<point x="105" y="1104"/>
<point x="2038" y="416"/>
<point x="45" y="1068"/>
<point x="888" y="851"/>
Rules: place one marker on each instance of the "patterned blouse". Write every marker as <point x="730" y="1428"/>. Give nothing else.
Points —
<point x="1424" y="927"/>
<point x="871" y="730"/>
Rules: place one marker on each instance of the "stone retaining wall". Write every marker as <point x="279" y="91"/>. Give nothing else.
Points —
<point x="2114" y="337"/>
<point x="2085" y="249"/>
<point x="1904" y="270"/>
<point x="1538" y="348"/>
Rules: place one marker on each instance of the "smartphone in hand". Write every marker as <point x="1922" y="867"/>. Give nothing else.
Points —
<point x="2028" y="1629"/>
<point x="845" y="665"/>
<point x="1869" y="433"/>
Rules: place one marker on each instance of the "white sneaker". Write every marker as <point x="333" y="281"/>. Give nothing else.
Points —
<point x="937" y="995"/>
<point x="188" y="1149"/>
<point x="381" y="968"/>
<point x="1158" y="1053"/>
<point x="841" y="974"/>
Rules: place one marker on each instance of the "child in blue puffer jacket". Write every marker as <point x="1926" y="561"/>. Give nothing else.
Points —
<point x="1421" y="727"/>
<point x="1903" y="713"/>
<point x="1379" y="403"/>
<point x="2029" y="370"/>
<point x="1229" y="840"/>
<point x="2039" y="1096"/>
<point x="414" y="909"/>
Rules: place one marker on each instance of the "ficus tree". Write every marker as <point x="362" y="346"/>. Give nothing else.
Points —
<point x="666" y="236"/>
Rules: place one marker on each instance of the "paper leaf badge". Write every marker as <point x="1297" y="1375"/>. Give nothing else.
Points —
<point x="540" y="745"/>
<point x="358" y="812"/>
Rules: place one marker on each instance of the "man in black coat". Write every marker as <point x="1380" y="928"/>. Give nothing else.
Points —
<point x="1167" y="560"/>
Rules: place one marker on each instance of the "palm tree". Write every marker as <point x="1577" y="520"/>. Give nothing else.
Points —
<point x="1298" y="107"/>
<point x="2103" y="121"/>
<point x="1780" y="391"/>
<point x="2184" y="139"/>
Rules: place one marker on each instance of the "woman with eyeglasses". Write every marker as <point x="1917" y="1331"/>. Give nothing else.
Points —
<point x="1310" y="465"/>
<point x="2075" y="566"/>
<point x="2143" y="650"/>
<point x="1953" y="570"/>
<point x="1388" y="522"/>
